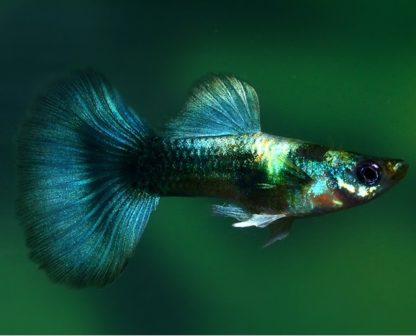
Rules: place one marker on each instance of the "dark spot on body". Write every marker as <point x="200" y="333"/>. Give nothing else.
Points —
<point x="311" y="152"/>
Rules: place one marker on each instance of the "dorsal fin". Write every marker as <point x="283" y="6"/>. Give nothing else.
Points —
<point x="220" y="105"/>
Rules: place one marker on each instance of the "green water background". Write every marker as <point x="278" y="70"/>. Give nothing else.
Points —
<point x="339" y="73"/>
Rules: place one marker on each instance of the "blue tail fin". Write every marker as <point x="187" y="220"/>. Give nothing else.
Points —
<point x="81" y="211"/>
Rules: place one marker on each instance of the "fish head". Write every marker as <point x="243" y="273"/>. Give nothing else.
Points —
<point x="357" y="178"/>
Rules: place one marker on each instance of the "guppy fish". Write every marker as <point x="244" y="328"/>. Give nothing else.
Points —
<point x="91" y="172"/>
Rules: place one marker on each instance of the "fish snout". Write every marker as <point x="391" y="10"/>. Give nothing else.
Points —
<point x="396" y="169"/>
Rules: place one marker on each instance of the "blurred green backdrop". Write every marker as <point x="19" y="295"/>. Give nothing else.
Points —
<point x="338" y="73"/>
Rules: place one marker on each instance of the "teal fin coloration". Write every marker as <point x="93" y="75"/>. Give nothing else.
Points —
<point x="279" y="230"/>
<point x="77" y="202"/>
<point x="221" y="105"/>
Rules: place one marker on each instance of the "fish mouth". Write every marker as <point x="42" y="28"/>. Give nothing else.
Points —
<point x="397" y="169"/>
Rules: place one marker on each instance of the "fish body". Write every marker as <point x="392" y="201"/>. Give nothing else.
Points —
<point x="262" y="172"/>
<point x="91" y="172"/>
<point x="218" y="166"/>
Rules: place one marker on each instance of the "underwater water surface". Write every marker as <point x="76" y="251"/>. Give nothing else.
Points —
<point x="334" y="73"/>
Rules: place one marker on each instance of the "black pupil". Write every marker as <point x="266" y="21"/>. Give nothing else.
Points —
<point x="369" y="173"/>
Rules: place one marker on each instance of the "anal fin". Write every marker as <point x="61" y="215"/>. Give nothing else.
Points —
<point x="278" y="224"/>
<point x="232" y="211"/>
<point x="259" y="220"/>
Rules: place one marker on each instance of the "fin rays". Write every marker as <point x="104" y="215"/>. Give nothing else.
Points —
<point x="81" y="215"/>
<point x="221" y="105"/>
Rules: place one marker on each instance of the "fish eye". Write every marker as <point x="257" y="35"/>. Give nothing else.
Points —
<point x="369" y="172"/>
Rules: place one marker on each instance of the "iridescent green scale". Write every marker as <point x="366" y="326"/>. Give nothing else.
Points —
<point x="205" y="166"/>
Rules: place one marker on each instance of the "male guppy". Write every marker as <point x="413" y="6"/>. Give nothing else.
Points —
<point x="91" y="172"/>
